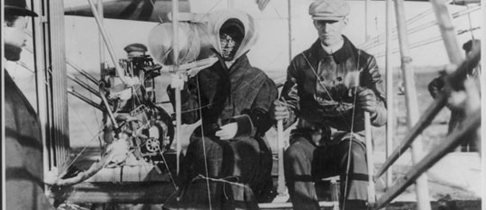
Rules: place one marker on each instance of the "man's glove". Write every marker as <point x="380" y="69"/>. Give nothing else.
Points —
<point x="366" y="100"/>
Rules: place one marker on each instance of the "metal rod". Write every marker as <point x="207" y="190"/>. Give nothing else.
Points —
<point x="455" y="79"/>
<point x="447" y="31"/>
<point x="452" y="141"/>
<point x="422" y="189"/>
<point x="84" y="85"/>
<point x="389" y="93"/>
<point x="379" y="39"/>
<point x="85" y="99"/>
<point x="108" y="42"/>
<point x="83" y="72"/>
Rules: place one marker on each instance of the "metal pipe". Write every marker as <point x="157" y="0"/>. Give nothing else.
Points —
<point x="85" y="99"/>
<point x="452" y="141"/>
<point x="389" y="92"/>
<point x="422" y="189"/>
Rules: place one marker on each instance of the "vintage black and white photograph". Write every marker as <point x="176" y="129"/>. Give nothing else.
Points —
<point x="248" y="104"/>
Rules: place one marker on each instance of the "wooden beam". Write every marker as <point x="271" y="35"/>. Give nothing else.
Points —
<point x="456" y="80"/>
<point x="109" y="192"/>
<point x="390" y="125"/>
<point x="422" y="188"/>
<point x="448" y="32"/>
<point x="452" y="141"/>
<point x="59" y="103"/>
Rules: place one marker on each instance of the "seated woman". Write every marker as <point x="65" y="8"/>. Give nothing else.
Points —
<point x="232" y="99"/>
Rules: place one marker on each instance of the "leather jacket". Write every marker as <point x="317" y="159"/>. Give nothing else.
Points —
<point x="318" y="96"/>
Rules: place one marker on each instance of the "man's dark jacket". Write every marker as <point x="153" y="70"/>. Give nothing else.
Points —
<point x="320" y="98"/>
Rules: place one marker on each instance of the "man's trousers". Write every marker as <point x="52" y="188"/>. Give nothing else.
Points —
<point x="305" y="163"/>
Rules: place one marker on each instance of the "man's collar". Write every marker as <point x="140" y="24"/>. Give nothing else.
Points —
<point x="333" y="48"/>
<point x="342" y="54"/>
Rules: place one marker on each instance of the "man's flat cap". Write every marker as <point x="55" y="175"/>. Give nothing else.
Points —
<point x="136" y="47"/>
<point x="328" y="9"/>
<point x="18" y="8"/>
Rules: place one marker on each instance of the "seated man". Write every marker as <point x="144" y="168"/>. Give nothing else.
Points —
<point x="329" y="138"/>
<point x="232" y="99"/>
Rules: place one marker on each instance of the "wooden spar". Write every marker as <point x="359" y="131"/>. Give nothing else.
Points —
<point x="289" y="13"/>
<point x="100" y="37"/>
<point x="367" y="19"/>
<point x="231" y="4"/>
<point x="389" y="92"/>
<point x="369" y="159"/>
<point x="448" y="32"/>
<point x="60" y="122"/>
<point x="281" y="189"/>
<point x="367" y="121"/>
<point x="41" y="85"/>
<point x="452" y="141"/>
<point x="108" y="43"/>
<point x="131" y="192"/>
<point x="414" y="132"/>
<point x="175" y="57"/>
<point x="455" y="79"/>
<point x="422" y="188"/>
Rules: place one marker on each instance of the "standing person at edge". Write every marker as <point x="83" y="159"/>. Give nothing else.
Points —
<point x="232" y="99"/>
<point x="316" y="95"/>
<point x="458" y="115"/>
<point x="24" y="173"/>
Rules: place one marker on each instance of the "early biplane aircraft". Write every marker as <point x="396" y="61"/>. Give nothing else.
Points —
<point x="140" y="135"/>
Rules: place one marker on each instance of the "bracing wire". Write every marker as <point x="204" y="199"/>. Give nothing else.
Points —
<point x="348" y="164"/>
<point x="203" y="143"/>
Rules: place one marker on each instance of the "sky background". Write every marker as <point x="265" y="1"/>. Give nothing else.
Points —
<point x="271" y="52"/>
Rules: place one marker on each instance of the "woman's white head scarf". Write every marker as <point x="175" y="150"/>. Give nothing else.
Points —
<point x="218" y="18"/>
